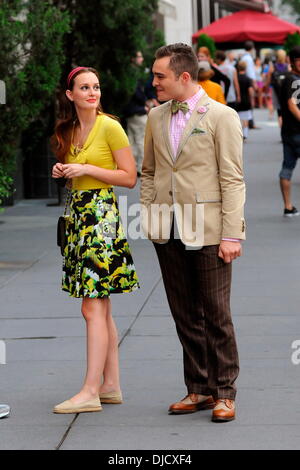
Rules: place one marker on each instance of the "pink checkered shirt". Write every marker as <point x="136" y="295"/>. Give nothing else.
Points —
<point x="179" y="120"/>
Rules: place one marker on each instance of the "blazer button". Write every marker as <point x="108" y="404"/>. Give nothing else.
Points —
<point x="174" y="169"/>
<point x="170" y="193"/>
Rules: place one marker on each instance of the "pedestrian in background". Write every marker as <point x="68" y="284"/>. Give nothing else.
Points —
<point x="233" y="96"/>
<point x="94" y="154"/>
<point x="248" y="58"/>
<point x="276" y="75"/>
<point x="290" y="131"/>
<point x="205" y="74"/>
<point x="136" y="112"/>
<point x="244" y="107"/>
<point x="259" y="82"/>
<point x="231" y="58"/>
<point x="193" y="161"/>
<point x="218" y="77"/>
<point x="267" y="91"/>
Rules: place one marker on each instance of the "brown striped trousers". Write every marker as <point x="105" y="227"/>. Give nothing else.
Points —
<point x="197" y="284"/>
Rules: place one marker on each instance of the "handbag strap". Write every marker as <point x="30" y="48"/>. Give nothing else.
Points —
<point x="68" y="201"/>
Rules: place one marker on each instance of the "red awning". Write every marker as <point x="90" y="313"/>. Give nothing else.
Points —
<point x="248" y="24"/>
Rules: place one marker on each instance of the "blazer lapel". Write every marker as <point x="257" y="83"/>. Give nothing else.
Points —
<point x="165" y="126"/>
<point x="193" y="121"/>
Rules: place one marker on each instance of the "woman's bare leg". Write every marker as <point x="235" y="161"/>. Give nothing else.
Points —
<point x="95" y="312"/>
<point x="111" y="374"/>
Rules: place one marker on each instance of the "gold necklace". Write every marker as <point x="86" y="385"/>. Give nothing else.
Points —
<point x="78" y="147"/>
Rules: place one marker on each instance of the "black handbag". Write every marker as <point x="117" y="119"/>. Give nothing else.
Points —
<point x="62" y="225"/>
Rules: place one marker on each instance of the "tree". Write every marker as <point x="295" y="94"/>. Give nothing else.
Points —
<point x="42" y="41"/>
<point x="291" y="41"/>
<point x="31" y="57"/>
<point x="106" y="34"/>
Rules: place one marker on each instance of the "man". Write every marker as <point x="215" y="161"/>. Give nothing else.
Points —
<point x="290" y="131"/>
<point x="233" y="95"/>
<point x="193" y="166"/>
<point x="136" y="113"/>
<point x="250" y="71"/>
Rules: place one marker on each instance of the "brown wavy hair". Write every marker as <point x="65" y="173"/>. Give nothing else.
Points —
<point x="61" y="140"/>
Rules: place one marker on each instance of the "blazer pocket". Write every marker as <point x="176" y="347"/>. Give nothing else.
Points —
<point x="198" y="132"/>
<point x="203" y="197"/>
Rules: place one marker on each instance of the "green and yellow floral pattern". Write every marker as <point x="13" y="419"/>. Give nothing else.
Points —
<point x="97" y="258"/>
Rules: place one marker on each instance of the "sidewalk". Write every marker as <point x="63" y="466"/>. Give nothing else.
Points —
<point x="44" y="333"/>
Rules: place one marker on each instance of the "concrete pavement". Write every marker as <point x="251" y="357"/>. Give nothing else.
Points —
<point x="44" y="333"/>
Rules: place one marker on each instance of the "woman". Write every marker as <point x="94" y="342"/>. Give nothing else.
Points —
<point x="219" y="77"/>
<point x="259" y="82"/>
<point x="267" y="90"/>
<point x="205" y="74"/>
<point x="94" y="154"/>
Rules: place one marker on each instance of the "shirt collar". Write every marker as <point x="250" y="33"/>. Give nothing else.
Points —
<point x="193" y="100"/>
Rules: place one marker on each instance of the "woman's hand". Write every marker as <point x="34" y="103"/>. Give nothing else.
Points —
<point x="73" y="170"/>
<point x="57" y="171"/>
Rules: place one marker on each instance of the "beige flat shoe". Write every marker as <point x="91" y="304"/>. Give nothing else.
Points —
<point x="69" y="407"/>
<point x="114" y="398"/>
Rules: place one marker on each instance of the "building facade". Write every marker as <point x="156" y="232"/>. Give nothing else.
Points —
<point x="284" y="11"/>
<point x="179" y="19"/>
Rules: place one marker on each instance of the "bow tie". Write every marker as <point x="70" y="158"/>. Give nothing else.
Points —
<point x="179" y="105"/>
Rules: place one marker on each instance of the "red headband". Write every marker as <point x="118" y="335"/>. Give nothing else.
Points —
<point x="72" y="73"/>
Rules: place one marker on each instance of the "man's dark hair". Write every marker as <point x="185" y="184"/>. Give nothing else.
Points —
<point x="182" y="59"/>
<point x="220" y="55"/>
<point x="249" y="45"/>
<point x="294" y="53"/>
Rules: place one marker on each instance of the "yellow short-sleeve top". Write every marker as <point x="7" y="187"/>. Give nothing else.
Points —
<point x="106" y="136"/>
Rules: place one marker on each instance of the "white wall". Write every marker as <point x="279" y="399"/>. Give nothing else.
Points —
<point x="181" y="28"/>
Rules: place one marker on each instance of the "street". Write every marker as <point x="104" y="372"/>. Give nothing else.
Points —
<point x="44" y="333"/>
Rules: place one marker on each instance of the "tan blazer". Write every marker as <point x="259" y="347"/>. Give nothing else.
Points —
<point x="203" y="184"/>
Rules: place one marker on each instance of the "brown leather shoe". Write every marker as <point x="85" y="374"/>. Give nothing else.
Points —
<point x="192" y="403"/>
<point x="223" y="411"/>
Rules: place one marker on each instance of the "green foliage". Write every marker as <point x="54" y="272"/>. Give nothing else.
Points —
<point x="31" y="34"/>
<point x="206" y="41"/>
<point x="157" y="40"/>
<point x="42" y="40"/>
<point x="5" y="185"/>
<point x="291" y="41"/>
<point x="106" y="34"/>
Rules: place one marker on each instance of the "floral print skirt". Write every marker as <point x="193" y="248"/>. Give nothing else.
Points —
<point x="97" y="259"/>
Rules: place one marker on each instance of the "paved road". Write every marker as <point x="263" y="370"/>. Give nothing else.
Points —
<point x="45" y="334"/>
